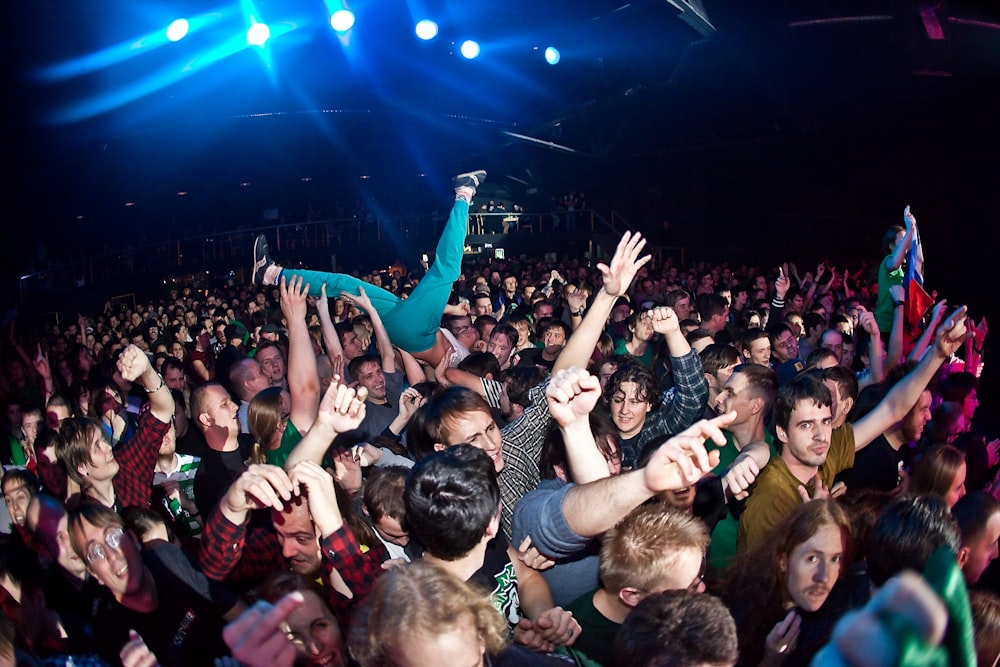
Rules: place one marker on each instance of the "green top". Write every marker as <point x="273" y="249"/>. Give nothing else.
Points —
<point x="722" y="551"/>
<point x="289" y="439"/>
<point x="884" y="307"/>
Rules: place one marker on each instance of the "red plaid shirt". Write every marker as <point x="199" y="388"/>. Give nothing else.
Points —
<point x="238" y="554"/>
<point x="136" y="460"/>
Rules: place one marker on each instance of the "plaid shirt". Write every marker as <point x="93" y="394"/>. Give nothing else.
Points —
<point x="238" y="554"/>
<point x="683" y="404"/>
<point x="358" y="567"/>
<point x="522" y="447"/>
<point x="136" y="459"/>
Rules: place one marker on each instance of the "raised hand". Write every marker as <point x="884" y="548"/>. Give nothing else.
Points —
<point x="624" y="264"/>
<point x="41" y="364"/>
<point x="782" y="638"/>
<point x="782" y="284"/>
<point x="306" y="475"/>
<point x="342" y="408"/>
<point x="260" y="486"/>
<point x="683" y="460"/>
<point x="576" y="300"/>
<point x="908" y="218"/>
<point x="135" y="653"/>
<point x="981" y="330"/>
<point x="359" y="300"/>
<point x="257" y="639"/>
<point x="664" y="320"/>
<point x="323" y="304"/>
<point x="741" y="474"/>
<point x="409" y="401"/>
<point x="532" y="557"/>
<point x="572" y="395"/>
<point x="866" y="320"/>
<point x="951" y="333"/>
<point x="293" y="299"/>
<point x="133" y="363"/>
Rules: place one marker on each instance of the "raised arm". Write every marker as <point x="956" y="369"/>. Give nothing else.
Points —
<point x="572" y="395"/>
<point x="134" y="366"/>
<point x="928" y="335"/>
<point x="686" y="402"/>
<point x="617" y="278"/>
<point x="907" y="391"/>
<point x="895" y="260"/>
<point x="330" y="338"/>
<point x="303" y="381"/>
<point x="866" y="320"/>
<point x="591" y="509"/>
<point x="382" y="341"/>
<point x="342" y="409"/>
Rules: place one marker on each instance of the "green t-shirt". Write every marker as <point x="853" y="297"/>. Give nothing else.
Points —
<point x="883" y="307"/>
<point x="599" y="632"/>
<point x="722" y="551"/>
<point x="289" y="439"/>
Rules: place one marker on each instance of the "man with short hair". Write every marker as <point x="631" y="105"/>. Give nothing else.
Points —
<point x="122" y="477"/>
<point x="508" y="299"/>
<point x="156" y="592"/>
<point x="680" y="301"/>
<point x="678" y="629"/>
<point x="978" y="517"/>
<point x="833" y="340"/>
<point x="717" y="361"/>
<point x="69" y="589"/>
<point x="813" y="325"/>
<point x="247" y="379"/>
<point x="714" y="312"/>
<point x="452" y="501"/>
<point x="749" y="395"/>
<point x="271" y="358"/>
<point x="655" y="548"/>
<point x="214" y="413"/>
<point x="755" y="345"/>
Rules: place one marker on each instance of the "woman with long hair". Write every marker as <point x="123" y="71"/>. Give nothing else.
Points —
<point x="776" y="589"/>
<point x="941" y="470"/>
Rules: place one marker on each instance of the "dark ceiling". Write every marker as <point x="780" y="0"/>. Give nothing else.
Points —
<point x="778" y="114"/>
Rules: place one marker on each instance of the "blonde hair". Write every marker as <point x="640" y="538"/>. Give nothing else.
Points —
<point x="647" y="543"/>
<point x="420" y="600"/>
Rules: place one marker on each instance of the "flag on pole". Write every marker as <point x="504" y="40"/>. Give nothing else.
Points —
<point x="917" y="298"/>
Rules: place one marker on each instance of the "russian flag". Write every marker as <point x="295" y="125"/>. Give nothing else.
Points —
<point x="918" y="301"/>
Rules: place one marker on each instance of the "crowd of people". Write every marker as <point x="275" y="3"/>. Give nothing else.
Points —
<point x="503" y="462"/>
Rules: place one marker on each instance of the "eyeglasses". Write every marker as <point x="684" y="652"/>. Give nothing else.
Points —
<point x="695" y="586"/>
<point x="112" y="539"/>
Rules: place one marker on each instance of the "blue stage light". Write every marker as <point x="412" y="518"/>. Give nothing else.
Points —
<point x="258" y="34"/>
<point x="177" y="30"/>
<point x="552" y="55"/>
<point x="427" y="29"/>
<point x="470" y="49"/>
<point x="342" y="20"/>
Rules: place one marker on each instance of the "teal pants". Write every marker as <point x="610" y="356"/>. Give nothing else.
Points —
<point x="411" y="323"/>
